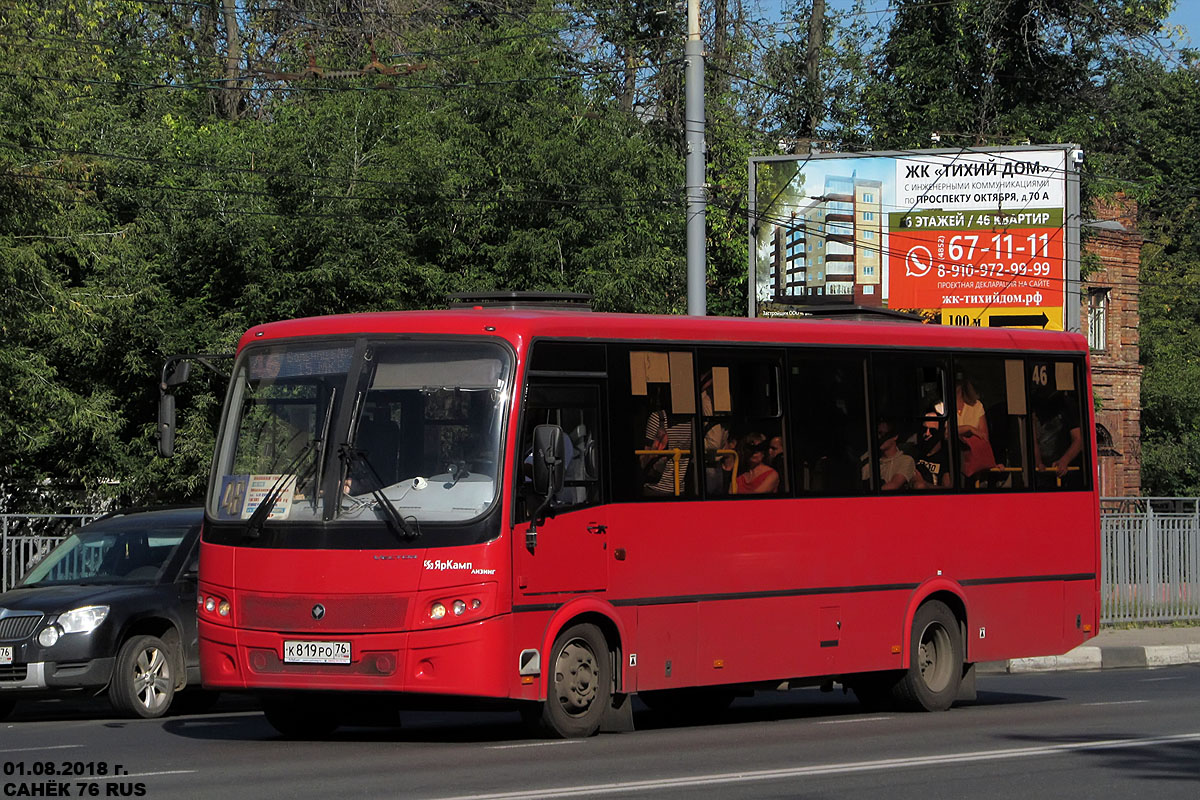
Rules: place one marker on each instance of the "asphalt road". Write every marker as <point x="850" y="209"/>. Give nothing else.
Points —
<point x="1110" y="734"/>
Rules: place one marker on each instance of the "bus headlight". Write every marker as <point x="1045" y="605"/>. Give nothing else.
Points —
<point x="437" y="611"/>
<point x="215" y="606"/>
<point x="459" y="608"/>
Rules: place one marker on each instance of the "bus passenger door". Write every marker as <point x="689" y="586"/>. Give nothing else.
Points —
<point x="570" y="553"/>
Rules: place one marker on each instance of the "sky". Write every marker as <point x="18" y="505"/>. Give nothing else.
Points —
<point x="1187" y="14"/>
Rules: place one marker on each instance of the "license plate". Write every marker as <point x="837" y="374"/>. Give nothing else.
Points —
<point x="310" y="652"/>
<point x="6" y="655"/>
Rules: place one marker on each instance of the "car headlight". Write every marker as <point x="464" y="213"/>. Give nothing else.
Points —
<point x="82" y="620"/>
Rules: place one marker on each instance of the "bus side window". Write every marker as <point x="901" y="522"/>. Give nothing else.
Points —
<point x="1060" y="448"/>
<point x="828" y="413"/>
<point x="576" y="410"/>
<point x="993" y="424"/>
<point x="656" y="428"/>
<point x="909" y="393"/>
<point x="741" y="417"/>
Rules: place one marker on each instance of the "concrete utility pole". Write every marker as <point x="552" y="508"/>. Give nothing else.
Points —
<point x="812" y="67"/>
<point x="697" y="190"/>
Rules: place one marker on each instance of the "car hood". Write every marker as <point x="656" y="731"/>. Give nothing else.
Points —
<point x="56" y="599"/>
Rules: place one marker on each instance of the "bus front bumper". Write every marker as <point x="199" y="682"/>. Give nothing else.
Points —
<point x="456" y="660"/>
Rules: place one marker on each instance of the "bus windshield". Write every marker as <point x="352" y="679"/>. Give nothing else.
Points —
<point x="406" y="431"/>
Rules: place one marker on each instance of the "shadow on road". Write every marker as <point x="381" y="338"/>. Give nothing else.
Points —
<point x="84" y="707"/>
<point x="1164" y="761"/>
<point x="475" y="727"/>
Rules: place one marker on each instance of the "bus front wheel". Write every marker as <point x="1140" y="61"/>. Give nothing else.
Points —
<point x="936" y="663"/>
<point x="580" y="686"/>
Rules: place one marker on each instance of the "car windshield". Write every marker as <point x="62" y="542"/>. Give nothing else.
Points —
<point x="381" y="427"/>
<point x="108" y="555"/>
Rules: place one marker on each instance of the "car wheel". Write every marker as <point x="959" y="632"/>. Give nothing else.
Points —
<point x="143" y="682"/>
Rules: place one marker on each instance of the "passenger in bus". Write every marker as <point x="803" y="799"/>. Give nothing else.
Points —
<point x="756" y="476"/>
<point x="896" y="468"/>
<point x="972" y="419"/>
<point x="1057" y="435"/>
<point x="974" y="439"/>
<point x="932" y="459"/>
<point x="775" y="454"/>
<point x="664" y="434"/>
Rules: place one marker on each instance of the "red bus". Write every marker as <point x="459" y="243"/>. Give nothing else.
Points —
<point x="560" y="509"/>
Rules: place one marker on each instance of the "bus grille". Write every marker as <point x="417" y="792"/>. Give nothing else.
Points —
<point x="18" y="627"/>
<point x="348" y="613"/>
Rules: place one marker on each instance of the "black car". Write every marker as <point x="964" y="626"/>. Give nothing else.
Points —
<point x="113" y="607"/>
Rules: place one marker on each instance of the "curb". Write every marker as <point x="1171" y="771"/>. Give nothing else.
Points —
<point x="1090" y="657"/>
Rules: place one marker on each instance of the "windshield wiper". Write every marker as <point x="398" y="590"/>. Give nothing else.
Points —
<point x="352" y="456"/>
<point x="319" y="463"/>
<point x="255" y="522"/>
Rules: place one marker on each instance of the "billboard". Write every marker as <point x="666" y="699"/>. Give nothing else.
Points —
<point x="971" y="236"/>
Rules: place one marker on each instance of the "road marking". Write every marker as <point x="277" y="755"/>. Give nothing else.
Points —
<point x="533" y="744"/>
<point x="1117" y="703"/>
<point x="125" y="775"/>
<point x="846" y="768"/>
<point x="39" y="749"/>
<point x="1155" y="680"/>
<point x="848" y="721"/>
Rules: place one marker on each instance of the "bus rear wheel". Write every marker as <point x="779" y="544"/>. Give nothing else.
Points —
<point x="580" y="687"/>
<point x="936" y="664"/>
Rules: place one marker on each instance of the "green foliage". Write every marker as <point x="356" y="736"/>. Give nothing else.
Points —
<point x="166" y="181"/>
<point x="141" y="220"/>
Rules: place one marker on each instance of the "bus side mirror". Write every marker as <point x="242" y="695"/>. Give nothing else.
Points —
<point x="549" y="468"/>
<point x="549" y="453"/>
<point x="166" y="425"/>
<point x="176" y="370"/>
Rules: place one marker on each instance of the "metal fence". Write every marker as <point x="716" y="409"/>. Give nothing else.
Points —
<point x="25" y="539"/>
<point x="1150" y="557"/>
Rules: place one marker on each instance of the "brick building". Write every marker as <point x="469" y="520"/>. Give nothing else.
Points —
<point x="1112" y="316"/>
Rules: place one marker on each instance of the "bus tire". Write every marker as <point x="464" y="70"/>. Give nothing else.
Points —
<point x="936" y="662"/>
<point x="313" y="718"/>
<point x="580" y="686"/>
<point x="143" y="680"/>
